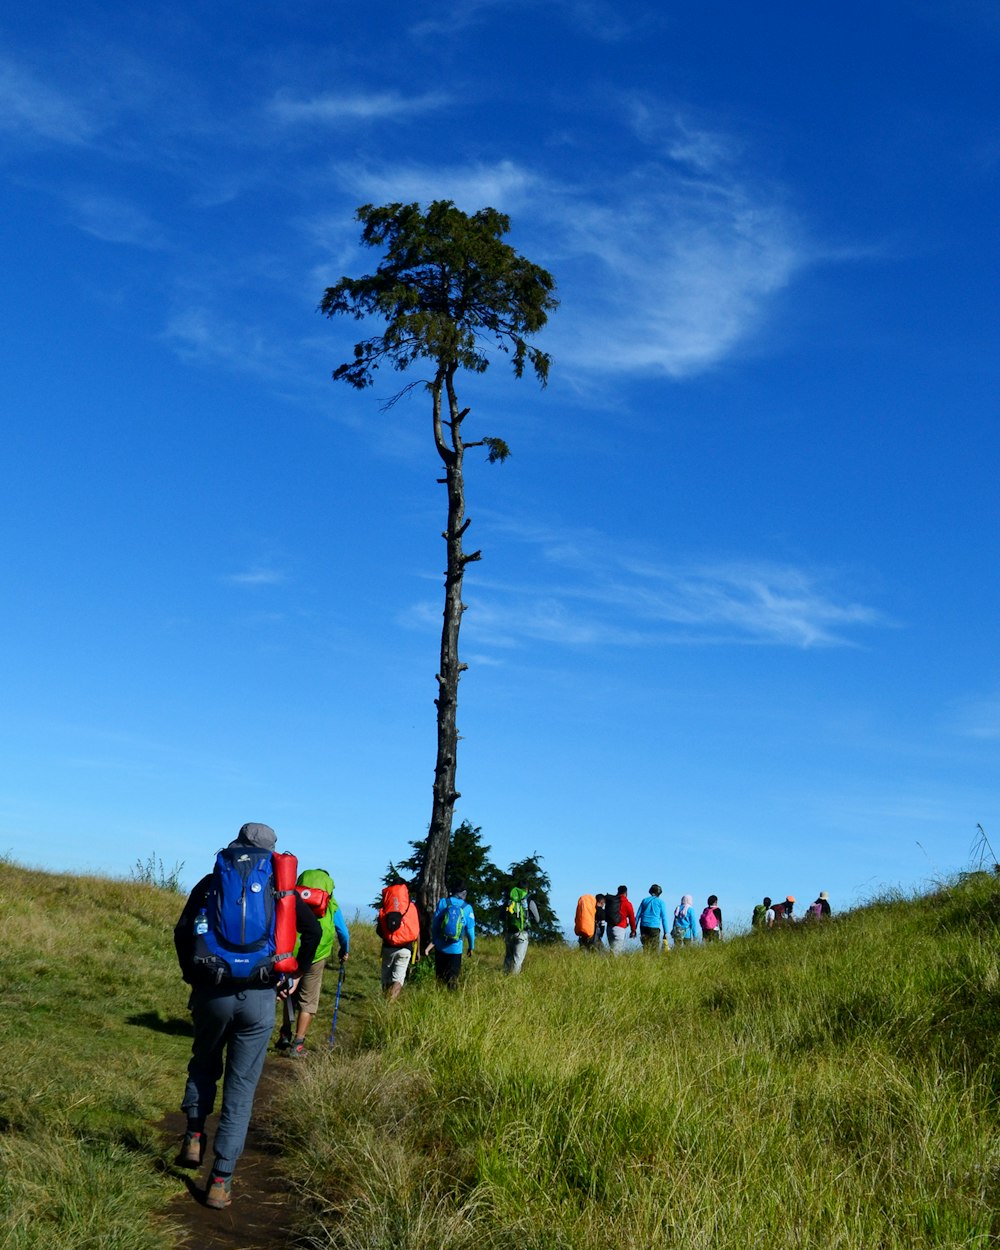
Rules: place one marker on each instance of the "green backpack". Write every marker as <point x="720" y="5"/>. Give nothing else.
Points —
<point x="320" y="879"/>
<point x="516" y="915"/>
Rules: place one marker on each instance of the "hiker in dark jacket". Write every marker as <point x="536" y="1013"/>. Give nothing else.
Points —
<point x="232" y="1028"/>
<point x="599" y="924"/>
<point x="711" y="920"/>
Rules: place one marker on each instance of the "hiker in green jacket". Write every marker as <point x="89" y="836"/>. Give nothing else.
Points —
<point x="300" y="1008"/>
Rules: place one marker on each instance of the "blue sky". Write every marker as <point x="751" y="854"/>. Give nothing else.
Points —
<point x="734" y="626"/>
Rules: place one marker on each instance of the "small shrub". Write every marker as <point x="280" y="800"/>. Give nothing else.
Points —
<point x="152" y="872"/>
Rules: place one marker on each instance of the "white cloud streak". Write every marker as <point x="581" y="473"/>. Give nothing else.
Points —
<point x="255" y="577"/>
<point x="585" y="595"/>
<point x="339" y="110"/>
<point x="978" y="718"/>
<point x="31" y="110"/>
<point x="666" y="269"/>
<point x="115" y="220"/>
<point x="505" y="184"/>
<point x="201" y="337"/>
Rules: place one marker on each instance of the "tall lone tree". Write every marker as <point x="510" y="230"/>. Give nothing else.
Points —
<point x="449" y="289"/>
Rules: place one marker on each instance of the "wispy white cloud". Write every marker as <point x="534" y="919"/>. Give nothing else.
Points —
<point x="504" y="185"/>
<point x="199" y="336"/>
<point x="754" y="601"/>
<point x="978" y="718"/>
<point x="668" y="267"/>
<point x="336" y="110"/>
<point x="116" y="221"/>
<point x="31" y="109"/>
<point x="596" y="18"/>
<point x="679" y="260"/>
<point x="583" y="594"/>
<point x="256" y="576"/>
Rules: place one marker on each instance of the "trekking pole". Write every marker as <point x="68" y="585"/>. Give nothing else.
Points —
<point x="336" y="1003"/>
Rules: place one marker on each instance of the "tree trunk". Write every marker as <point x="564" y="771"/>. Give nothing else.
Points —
<point x="433" y="881"/>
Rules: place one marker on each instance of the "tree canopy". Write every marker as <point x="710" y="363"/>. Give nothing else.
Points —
<point x="488" y="886"/>
<point x="447" y="288"/>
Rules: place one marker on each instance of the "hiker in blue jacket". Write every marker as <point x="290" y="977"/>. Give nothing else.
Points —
<point x="652" y="920"/>
<point x="453" y="925"/>
<point x="684" y="930"/>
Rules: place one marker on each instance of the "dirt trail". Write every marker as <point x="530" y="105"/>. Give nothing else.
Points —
<point x="261" y="1214"/>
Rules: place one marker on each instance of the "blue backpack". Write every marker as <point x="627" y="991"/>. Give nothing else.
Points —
<point x="453" y="922"/>
<point x="234" y="931"/>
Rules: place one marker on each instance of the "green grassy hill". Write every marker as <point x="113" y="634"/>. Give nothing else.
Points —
<point x="832" y="1086"/>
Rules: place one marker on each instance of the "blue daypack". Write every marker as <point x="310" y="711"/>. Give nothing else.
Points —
<point x="235" y="932"/>
<point x="453" y="922"/>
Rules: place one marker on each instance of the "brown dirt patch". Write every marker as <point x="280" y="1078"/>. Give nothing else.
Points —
<point x="263" y="1208"/>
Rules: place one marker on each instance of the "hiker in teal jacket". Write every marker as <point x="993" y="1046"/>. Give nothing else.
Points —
<point x="652" y="919"/>
<point x="452" y="912"/>
<point x="684" y="929"/>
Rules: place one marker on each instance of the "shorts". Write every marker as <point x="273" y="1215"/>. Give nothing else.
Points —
<point x="307" y="995"/>
<point x="395" y="962"/>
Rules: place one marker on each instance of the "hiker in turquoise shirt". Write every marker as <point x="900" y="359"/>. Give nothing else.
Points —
<point x="453" y="916"/>
<point x="652" y="919"/>
<point x="684" y="929"/>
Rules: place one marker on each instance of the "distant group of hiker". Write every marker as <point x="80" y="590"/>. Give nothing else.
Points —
<point x="253" y="933"/>
<point x="611" y="917"/>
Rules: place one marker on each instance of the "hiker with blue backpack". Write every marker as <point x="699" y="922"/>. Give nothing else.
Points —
<point x="315" y="888"/>
<point x="519" y="911"/>
<point x="453" y="926"/>
<point x="652" y="920"/>
<point x="234" y="942"/>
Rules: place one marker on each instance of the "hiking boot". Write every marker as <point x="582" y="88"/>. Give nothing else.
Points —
<point x="284" y="1039"/>
<point x="192" y="1150"/>
<point x="219" y="1194"/>
<point x="296" y="1049"/>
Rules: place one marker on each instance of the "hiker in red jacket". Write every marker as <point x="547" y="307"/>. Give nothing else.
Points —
<point x="620" y="919"/>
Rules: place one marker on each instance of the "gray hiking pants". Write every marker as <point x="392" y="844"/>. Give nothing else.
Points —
<point x="239" y="1025"/>
<point x="515" y="949"/>
<point x="617" y="938"/>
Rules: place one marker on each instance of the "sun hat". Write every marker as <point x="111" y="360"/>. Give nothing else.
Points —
<point x="261" y="836"/>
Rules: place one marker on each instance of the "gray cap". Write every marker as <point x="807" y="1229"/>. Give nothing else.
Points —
<point x="261" y="836"/>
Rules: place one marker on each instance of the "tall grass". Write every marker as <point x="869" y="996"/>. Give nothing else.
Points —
<point x="833" y="1085"/>
<point x="92" y="1016"/>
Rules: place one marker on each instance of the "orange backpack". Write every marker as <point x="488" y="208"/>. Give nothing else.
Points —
<point x="586" y="914"/>
<point x="398" y="923"/>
